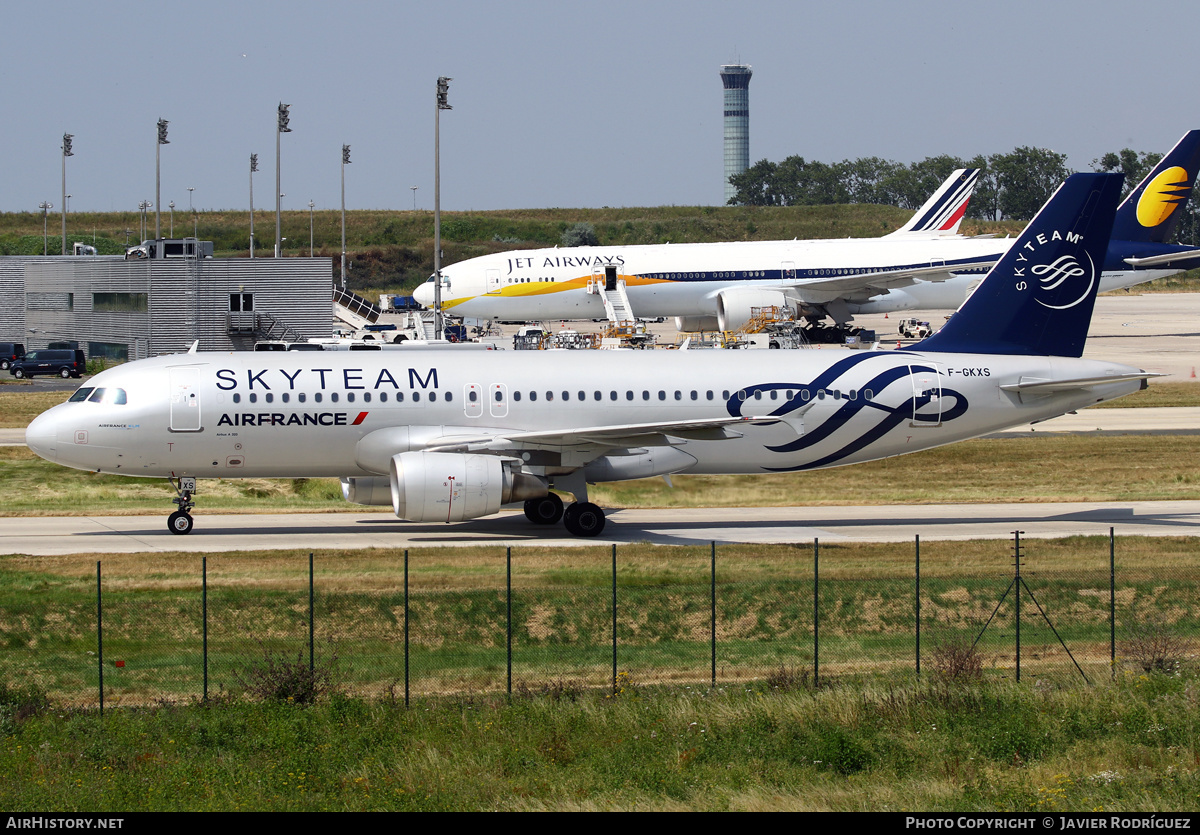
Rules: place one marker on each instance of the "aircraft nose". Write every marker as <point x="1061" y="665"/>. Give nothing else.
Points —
<point x="41" y="436"/>
<point x="424" y="294"/>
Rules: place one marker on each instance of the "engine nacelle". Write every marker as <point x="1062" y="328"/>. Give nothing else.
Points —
<point x="453" y="487"/>
<point x="733" y="306"/>
<point x="372" y="491"/>
<point x="695" y="324"/>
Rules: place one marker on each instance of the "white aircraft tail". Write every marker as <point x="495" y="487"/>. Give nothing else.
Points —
<point x="943" y="212"/>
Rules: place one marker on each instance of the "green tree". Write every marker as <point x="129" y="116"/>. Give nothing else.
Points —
<point x="754" y="185"/>
<point x="580" y="234"/>
<point x="985" y="199"/>
<point x="1027" y="177"/>
<point x="1133" y="164"/>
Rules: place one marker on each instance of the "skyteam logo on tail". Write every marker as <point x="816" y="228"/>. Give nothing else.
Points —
<point x="1162" y="195"/>
<point x="1064" y="277"/>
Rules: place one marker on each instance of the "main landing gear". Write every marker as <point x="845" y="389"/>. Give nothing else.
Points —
<point x="580" y="518"/>
<point x="180" y="522"/>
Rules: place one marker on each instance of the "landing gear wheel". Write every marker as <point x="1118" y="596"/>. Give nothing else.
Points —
<point x="584" y="519"/>
<point x="179" y="522"/>
<point x="545" y="510"/>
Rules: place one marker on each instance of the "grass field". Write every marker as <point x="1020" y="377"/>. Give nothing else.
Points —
<point x="870" y="737"/>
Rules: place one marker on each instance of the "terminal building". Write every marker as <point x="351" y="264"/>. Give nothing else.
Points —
<point x="160" y="298"/>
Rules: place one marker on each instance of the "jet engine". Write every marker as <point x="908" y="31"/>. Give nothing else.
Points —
<point x="373" y="491"/>
<point x="695" y="324"/>
<point x="452" y="487"/>
<point x="733" y="306"/>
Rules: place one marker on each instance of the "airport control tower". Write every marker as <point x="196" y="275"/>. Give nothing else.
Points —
<point x="736" y="78"/>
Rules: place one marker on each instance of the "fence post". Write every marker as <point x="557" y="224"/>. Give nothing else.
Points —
<point x="1112" y="604"/>
<point x="816" y="612"/>
<point x="508" y="616"/>
<point x="204" y="619"/>
<point x="311" y="614"/>
<point x="918" y="603"/>
<point x="713" y="609"/>
<point x="614" y="617"/>
<point x="406" y="627"/>
<point x="100" y="636"/>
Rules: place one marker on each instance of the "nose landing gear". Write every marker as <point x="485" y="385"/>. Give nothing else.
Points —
<point x="180" y="522"/>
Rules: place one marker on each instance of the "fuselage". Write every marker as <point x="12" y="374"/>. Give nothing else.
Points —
<point x="686" y="279"/>
<point x="308" y="415"/>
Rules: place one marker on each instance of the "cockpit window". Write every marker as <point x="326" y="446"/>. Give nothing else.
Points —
<point x="106" y="395"/>
<point x="81" y="395"/>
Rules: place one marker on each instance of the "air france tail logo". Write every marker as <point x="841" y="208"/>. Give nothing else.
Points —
<point x="1162" y="195"/>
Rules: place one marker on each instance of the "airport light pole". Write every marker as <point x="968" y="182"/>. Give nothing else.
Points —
<point x="45" y="206"/>
<point x="162" y="140"/>
<point x="281" y="127"/>
<point x="443" y="86"/>
<point x="66" y="152"/>
<point x="414" y="191"/>
<point x="142" y="207"/>
<point x="171" y="206"/>
<point x="253" y="169"/>
<point x="345" y="162"/>
<point x="310" y="228"/>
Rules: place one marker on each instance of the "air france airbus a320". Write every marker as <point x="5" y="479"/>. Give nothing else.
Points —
<point x="445" y="436"/>
<point x="715" y="286"/>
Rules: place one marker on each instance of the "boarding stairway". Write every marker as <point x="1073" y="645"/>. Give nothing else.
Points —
<point x="261" y="326"/>
<point x="353" y="310"/>
<point x="611" y="290"/>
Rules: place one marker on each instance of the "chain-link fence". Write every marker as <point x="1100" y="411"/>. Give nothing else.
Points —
<point x="409" y="625"/>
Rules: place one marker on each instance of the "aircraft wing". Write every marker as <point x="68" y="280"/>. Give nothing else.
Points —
<point x="1159" y="260"/>
<point x="821" y="290"/>
<point x="599" y="438"/>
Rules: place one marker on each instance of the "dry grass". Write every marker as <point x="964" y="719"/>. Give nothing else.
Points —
<point x="1140" y="559"/>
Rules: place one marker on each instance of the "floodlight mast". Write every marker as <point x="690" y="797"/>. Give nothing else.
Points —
<point x="281" y="127"/>
<point x="443" y="86"/>
<point x="253" y="169"/>
<point x="345" y="162"/>
<point x="66" y="152"/>
<point x="162" y="140"/>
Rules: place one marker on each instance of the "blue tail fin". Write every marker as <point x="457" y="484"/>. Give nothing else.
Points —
<point x="1038" y="299"/>
<point x="1151" y="212"/>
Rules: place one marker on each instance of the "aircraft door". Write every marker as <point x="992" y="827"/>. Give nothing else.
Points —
<point x="498" y="402"/>
<point x="927" y="396"/>
<point x="185" y="398"/>
<point x="493" y="281"/>
<point x="473" y="400"/>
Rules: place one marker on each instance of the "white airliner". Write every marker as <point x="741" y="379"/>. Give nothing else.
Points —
<point x="924" y="265"/>
<point x="448" y="436"/>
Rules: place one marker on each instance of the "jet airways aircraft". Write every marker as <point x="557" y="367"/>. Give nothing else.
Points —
<point x="443" y="436"/>
<point x="714" y="286"/>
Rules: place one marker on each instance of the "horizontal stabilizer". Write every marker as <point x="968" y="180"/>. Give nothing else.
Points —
<point x="1167" y="258"/>
<point x="1053" y="386"/>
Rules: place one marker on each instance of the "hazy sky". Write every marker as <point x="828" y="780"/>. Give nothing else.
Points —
<point x="564" y="103"/>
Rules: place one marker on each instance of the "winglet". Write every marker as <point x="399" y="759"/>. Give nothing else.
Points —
<point x="1038" y="299"/>
<point x="943" y="212"/>
<point x="1151" y="212"/>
